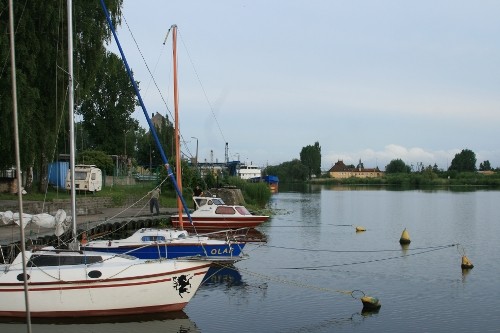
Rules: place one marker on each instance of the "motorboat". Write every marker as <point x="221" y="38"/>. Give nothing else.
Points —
<point x="212" y="213"/>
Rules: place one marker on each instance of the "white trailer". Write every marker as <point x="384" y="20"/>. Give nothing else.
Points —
<point x="87" y="178"/>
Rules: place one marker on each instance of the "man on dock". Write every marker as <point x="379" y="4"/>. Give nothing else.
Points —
<point x="153" y="201"/>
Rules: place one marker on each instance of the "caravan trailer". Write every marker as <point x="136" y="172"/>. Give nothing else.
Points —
<point x="87" y="178"/>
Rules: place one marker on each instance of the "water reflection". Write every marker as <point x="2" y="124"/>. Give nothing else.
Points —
<point x="176" y="322"/>
<point x="227" y="275"/>
<point x="242" y="235"/>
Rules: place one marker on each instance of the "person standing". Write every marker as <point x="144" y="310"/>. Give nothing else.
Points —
<point x="154" y="201"/>
<point x="197" y="193"/>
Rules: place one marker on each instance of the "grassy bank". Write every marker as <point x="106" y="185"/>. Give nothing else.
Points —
<point x="256" y="195"/>
<point x="419" y="179"/>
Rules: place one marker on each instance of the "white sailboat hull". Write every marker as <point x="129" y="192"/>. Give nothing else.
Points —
<point x="117" y="286"/>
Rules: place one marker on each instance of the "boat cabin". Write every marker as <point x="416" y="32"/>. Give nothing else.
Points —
<point x="207" y="203"/>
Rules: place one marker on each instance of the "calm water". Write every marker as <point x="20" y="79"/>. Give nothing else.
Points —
<point x="299" y="280"/>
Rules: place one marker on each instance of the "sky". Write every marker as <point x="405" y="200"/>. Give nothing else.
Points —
<point x="370" y="80"/>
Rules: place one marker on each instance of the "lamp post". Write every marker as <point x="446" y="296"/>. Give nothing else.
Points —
<point x="196" y="158"/>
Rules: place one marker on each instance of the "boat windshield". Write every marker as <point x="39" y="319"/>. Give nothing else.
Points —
<point x="218" y="201"/>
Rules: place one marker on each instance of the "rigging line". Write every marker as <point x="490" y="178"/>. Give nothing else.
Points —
<point x="145" y="63"/>
<point x="17" y="27"/>
<point x="59" y="126"/>
<point x="202" y="87"/>
<point x="294" y="283"/>
<point x="121" y="212"/>
<point x="308" y="226"/>
<point x="320" y="267"/>
<point x="151" y="73"/>
<point x="360" y="251"/>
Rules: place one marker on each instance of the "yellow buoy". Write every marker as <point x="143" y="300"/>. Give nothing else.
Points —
<point x="405" y="238"/>
<point x="466" y="264"/>
<point x="370" y="303"/>
<point x="359" y="229"/>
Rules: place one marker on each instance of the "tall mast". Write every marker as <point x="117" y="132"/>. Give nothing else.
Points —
<point x="71" y="119"/>
<point x="18" y="162"/>
<point x="178" y="171"/>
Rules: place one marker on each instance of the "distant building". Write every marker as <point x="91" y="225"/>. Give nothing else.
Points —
<point x="340" y="170"/>
<point x="158" y="120"/>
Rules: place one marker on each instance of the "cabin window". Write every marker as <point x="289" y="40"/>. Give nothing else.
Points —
<point x="44" y="260"/>
<point x="243" y="211"/>
<point x="225" y="210"/>
<point x="93" y="176"/>
<point x="153" y="238"/>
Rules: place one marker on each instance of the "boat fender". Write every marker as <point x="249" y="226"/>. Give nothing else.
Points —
<point x="405" y="237"/>
<point x="466" y="264"/>
<point x="370" y="303"/>
<point x="109" y="243"/>
<point x="84" y="238"/>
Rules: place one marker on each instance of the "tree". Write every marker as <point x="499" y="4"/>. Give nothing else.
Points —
<point x="98" y="158"/>
<point x="107" y="113"/>
<point x="485" y="166"/>
<point x="147" y="152"/>
<point x="464" y="161"/>
<point x="41" y="60"/>
<point x="397" y="166"/>
<point x="291" y="171"/>
<point x="310" y="156"/>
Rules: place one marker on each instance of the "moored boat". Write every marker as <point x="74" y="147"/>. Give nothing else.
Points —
<point x="212" y="213"/>
<point x="151" y="243"/>
<point x="87" y="284"/>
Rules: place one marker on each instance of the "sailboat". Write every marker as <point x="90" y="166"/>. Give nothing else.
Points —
<point x="151" y="243"/>
<point x="75" y="283"/>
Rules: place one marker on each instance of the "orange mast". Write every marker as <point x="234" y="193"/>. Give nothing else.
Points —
<point x="178" y="171"/>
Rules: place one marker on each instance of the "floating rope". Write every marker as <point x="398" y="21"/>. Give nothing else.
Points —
<point x="357" y="251"/>
<point x="372" y="302"/>
<point x="430" y="249"/>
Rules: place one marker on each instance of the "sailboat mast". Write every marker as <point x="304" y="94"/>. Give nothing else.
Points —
<point x="148" y="119"/>
<point x="18" y="161"/>
<point x="71" y="118"/>
<point x="178" y="171"/>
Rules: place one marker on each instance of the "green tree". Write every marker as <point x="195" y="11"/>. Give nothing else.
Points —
<point x="464" y="161"/>
<point x="41" y="60"/>
<point x="147" y="151"/>
<point x="292" y="171"/>
<point x="107" y="113"/>
<point x="485" y="166"/>
<point x="397" y="166"/>
<point x="310" y="156"/>
<point x="98" y="158"/>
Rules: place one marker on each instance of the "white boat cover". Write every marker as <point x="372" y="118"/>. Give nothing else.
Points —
<point x="60" y="222"/>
